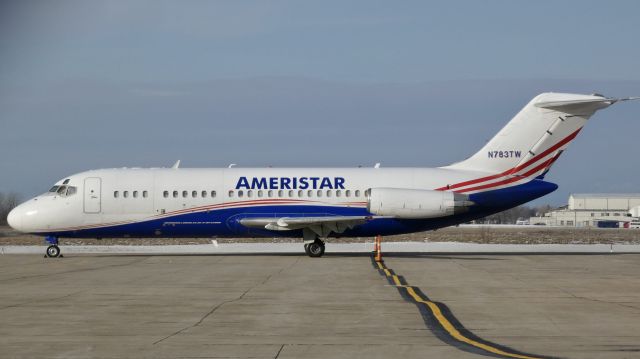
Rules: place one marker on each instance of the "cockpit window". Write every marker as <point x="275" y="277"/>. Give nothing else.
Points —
<point x="64" y="191"/>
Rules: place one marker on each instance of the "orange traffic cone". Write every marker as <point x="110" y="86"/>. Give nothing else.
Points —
<point x="378" y="248"/>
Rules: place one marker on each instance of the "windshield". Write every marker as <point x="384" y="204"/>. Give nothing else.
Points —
<point x="64" y="190"/>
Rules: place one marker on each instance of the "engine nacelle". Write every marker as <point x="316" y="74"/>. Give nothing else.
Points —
<point x="416" y="203"/>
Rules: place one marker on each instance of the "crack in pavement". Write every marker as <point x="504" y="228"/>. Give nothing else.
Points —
<point x="41" y="300"/>
<point x="204" y="316"/>
<point x="599" y="300"/>
<point x="223" y="303"/>
<point x="280" y="271"/>
<point x="279" y="351"/>
<point x="76" y="270"/>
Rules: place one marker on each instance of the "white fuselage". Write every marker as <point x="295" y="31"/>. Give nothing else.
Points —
<point x="118" y="196"/>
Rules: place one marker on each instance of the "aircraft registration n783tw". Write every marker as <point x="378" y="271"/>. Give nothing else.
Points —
<point x="314" y="203"/>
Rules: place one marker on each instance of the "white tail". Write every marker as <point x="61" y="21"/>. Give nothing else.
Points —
<point x="529" y="144"/>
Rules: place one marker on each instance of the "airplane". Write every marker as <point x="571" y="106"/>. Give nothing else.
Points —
<point x="313" y="204"/>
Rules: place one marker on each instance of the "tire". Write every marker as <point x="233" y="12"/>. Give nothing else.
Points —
<point x="306" y="249"/>
<point x="316" y="249"/>
<point x="53" y="251"/>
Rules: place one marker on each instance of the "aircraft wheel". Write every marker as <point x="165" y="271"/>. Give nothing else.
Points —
<point x="306" y="249"/>
<point x="316" y="249"/>
<point x="53" y="251"/>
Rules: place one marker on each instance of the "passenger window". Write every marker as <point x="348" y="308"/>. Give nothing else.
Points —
<point x="270" y="193"/>
<point x="135" y="194"/>
<point x="185" y="194"/>
<point x="291" y="193"/>
<point x="145" y="194"/>
<point x="367" y="192"/>
<point x="338" y="193"/>
<point x="357" y="193"/>
<point x="230" y="193"/>
<point x="194" y="194"/>
<point x="175" y="194"/>
<point x="260" y="193"/>
<point x="165" y="194"/>
<point x="280" y="193"/>
<point x="204" y="194"/>
<point x="319" y="193"/>
<point x="240" y="193"/>
<point x="249" y="193"/>
<point x="309" y="193"/>
<point x="213" y="194"/>
<point x="328" y="193"/>
<point x="347" y="193"/>
<point x="116" y="194"/>
<point x="125" y="194"/>
<point x="300" y="193"/>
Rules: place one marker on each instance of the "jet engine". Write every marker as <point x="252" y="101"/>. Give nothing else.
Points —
<point x="416" y="203"/>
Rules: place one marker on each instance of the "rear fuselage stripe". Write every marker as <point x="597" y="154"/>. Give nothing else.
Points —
<point x="512" y="171"/>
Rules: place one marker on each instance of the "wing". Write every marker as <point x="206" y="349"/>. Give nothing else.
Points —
<point x="322" y="226"/>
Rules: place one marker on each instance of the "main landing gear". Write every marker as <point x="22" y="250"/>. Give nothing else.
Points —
<point x="313" y="246"/>
<point x="314" y="249"/>
<point x="53" y="251"/>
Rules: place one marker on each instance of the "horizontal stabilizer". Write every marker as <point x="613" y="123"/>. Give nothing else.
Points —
<point x="578" y="106"/>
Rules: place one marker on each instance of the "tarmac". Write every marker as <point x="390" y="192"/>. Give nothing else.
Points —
<point x="344" y="305"/>
<point x="296" y="247"/>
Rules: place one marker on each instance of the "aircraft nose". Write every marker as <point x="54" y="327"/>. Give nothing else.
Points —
<point x="15" y="219"/>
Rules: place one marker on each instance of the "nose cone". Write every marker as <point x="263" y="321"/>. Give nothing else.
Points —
<point x="15" y="219"/>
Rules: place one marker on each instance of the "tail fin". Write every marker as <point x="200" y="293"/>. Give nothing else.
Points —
<point x="529" y="144"/>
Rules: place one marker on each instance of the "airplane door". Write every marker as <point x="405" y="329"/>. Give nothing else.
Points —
<point x="92" y="190"/>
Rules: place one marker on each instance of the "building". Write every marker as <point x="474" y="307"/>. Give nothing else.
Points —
<point x="592" y="210"/>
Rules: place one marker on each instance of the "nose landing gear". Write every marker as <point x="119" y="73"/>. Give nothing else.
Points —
<point x="53" y="251"/>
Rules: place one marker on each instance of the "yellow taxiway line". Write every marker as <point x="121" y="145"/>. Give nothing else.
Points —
<point x="437" y="313"/>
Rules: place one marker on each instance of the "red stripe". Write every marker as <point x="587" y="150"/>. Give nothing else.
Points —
<point x="554" y="159"/>
<point x="87" y="226"/>
<point x="231" y="204"/>
<point x="548" y="151"/>
<point x="539" y="167"/>
<point x="517" y="168"/>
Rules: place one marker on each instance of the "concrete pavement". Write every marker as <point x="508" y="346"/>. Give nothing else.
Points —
<point x="292" y="306"/>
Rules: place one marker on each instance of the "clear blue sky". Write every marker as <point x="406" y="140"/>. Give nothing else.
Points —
<point x="89" y="84"/>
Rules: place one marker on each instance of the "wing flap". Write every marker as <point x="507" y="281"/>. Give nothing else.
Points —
<point x="322" y="226"/>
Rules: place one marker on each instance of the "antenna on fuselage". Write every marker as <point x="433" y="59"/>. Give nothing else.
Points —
<point x="176" y="165"/>
<point x="377" y="165"/>
<point x="231" y="165"/>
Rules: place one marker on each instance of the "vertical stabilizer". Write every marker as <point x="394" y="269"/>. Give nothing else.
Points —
<point x="529" y="144"/>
